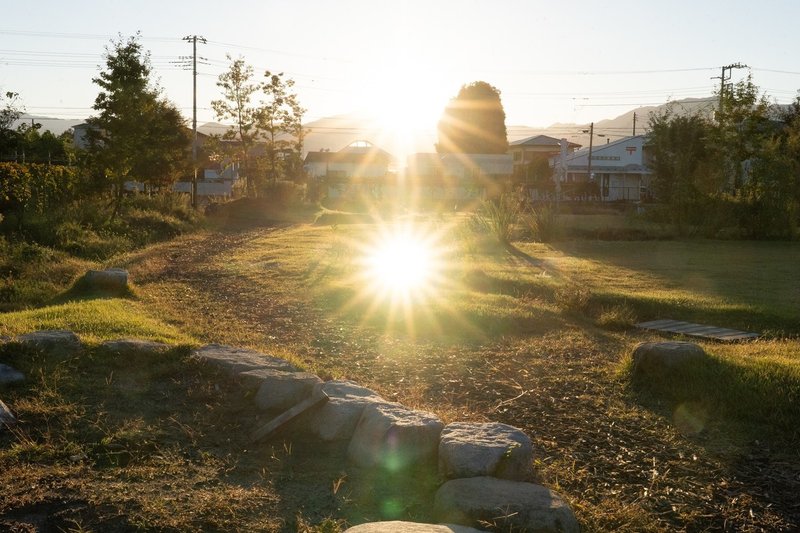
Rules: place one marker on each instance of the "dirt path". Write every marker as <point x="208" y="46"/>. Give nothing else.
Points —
<point x="622" y="466"/>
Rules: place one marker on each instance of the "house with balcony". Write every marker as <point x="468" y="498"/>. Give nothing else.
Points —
<point x="617" y="171"/>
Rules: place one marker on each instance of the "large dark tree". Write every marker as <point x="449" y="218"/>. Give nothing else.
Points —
<point x="474" y="122"/>
<point x="138" y="135"/>
<point x="10" y="111"/>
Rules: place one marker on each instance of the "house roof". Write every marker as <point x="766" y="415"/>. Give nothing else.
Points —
<point x="601" y="147"/>
<point x="355" y="152"/>
<point x="541" y="140"/>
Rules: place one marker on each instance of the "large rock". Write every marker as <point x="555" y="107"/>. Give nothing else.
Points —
<point x="114" y="280"/>
<point x="508" y="505"/>
<point x="234" y="360"/>
<point x="279" y="390"/>
<point x="491" y="449"/>
<point x="134" y="346"/>
<point x="336" y="420"/>
<point x="409" y="527"/>
<point x="393" y="437"/>
<point x="10" y="375"/>
<point x="58" y="342"/>
<point x="656" y="359"/>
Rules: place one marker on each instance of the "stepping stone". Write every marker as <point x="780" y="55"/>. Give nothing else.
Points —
<point x="392" y="437"/>
<point x="56" y="342"/>
<point x="697" y="330"/>
<point x="491" y="449"/>
<point x="10" y="375"/>
<point x="113" y="280"/>
<point x="337" y="419"/>
<point x="270" y="428"/>
<point x="235" y="361"/>
<point x="508" y="505"/>
<point x="279" y="390"/>
<point x="657" y="359"/>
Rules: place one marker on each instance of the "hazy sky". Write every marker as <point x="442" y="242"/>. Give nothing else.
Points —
<point x="572" y="61"/>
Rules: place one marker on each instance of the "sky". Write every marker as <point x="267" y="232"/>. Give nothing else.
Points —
<point x="401" y="61"/>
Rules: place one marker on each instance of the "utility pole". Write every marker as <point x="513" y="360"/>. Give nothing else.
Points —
<point x="634" y="123"/>
<point x="193" y="39"/>
<point x="591" y="139"/>
<point x="722" y="79"/>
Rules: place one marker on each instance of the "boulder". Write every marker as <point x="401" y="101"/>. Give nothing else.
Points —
<point x="58" y="342"/>
<point x="279" y="390"/>
<point x="508" y="505"/>
<point x="491" y="449"/>
<point x="234" y="360"/>
<point x="655" y="359"/>
<point x="409" y="527"/>
<point x="10" y="375"/>
<point x="137" y="346"/>
<point x="336" y="420"/>
<point x="6" y="417"/>
<point x="392" y="437"/>
<point x="114" y="280"/>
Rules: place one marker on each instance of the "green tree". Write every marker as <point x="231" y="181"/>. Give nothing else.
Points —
<point x="10" y="111"/>
<point x="137" y="135"/>
<point x="474" y="122"/>
<point x="280" y="123"/>
<point x="238" y="88"/>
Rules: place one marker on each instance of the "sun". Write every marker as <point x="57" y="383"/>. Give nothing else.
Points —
<point x="400" y="263"/>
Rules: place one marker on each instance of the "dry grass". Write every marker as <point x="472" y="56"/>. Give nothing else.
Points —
<point x="539" y="340"/>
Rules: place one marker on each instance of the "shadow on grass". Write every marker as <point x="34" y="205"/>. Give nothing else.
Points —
<point x="754" y="399"/>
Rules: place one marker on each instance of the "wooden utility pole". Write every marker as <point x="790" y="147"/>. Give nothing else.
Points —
<point x="591" y="139"/>
<point x="722" y="79"/>
<point x="193" y="39"/>
<point x="634" y="123"/>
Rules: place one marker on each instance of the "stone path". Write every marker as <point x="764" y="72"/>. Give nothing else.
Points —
<point x="697" y="330"/>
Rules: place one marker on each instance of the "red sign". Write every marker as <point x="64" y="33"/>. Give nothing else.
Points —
<point x="630" y="149"/>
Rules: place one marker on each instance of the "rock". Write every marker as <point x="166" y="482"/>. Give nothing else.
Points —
<point x="56" y="342"/>
<point x="654" y="359"/>
<point x="279" y="390"/>
<point x="336" y="420"/>
<point x="409" y="527"/>
<point x="10" y="375"/>
<point x="114" y="280"/>
<point x="509" y="505"/>
<point x="235" y="360"/>
<point x="492" y="449"/>
<point x="392" y="437"/>
<point x="6" y="417"/>
<point x="139" y="346"/>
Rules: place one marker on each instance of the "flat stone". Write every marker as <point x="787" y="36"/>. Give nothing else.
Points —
<point x="490" y="449"/>
<point x="508" y="505"/>
<point x="409" y="527"/>
<point x="141" y="346"/>
<point x="394" y="438"/>
<point x="655" y="359"/>
<point x="336" y="420"/>
<point x="269" y="429"/>
<point x="110" y="280"/>
<point x="235" y="360"/>
<point x="58" y="342"/>
<point x="279" y="390"/>
<point x="10" y="375"/>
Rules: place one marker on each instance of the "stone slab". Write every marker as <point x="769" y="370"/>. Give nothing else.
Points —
<point x="697" y="330"/>
<point x="484" y="449"/>
<point x="397" y="526"/>
<point x="270" y="428"/>
<point x="235" y="360"/>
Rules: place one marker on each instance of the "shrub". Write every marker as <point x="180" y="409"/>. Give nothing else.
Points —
<point x="573" y="298"/>
<point x="499" y="216"/>
<point x="620" y="316"/>
<point x="542" y="222"/>
<point x="284" y="193"/>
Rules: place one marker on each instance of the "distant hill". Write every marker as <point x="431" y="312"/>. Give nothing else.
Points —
<point x="55" y="125"/>
<point x="336" y="132"/>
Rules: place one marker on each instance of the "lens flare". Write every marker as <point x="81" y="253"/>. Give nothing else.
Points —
<point x="401" y="264"/>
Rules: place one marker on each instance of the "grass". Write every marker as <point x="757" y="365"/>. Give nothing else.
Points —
<point x="537" y="336"/>
<point x="94" y="321"/>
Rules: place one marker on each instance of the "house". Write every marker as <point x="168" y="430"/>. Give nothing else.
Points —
<point x="358" y="169"/>
<point x="457" y="176"/>
<point x="617" y="171"/>
<point x="528" y="150"/>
